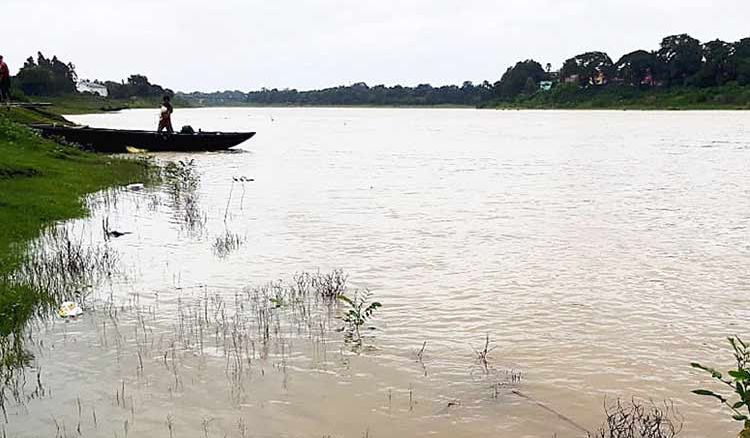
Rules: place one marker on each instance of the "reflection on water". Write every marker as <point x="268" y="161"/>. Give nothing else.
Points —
<point x="530" y="266"/>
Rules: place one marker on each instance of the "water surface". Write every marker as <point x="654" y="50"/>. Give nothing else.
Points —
<point x="602" y="252"/>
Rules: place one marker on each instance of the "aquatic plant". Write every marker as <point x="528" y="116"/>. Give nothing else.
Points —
<point x="182" y="182"/>
<point x="420" y="357"/>
<point x="360" y="311"/>
<point x="330" y="286"/>
<point x="226" y="244"/>
<point x="638" y="419"/>
<point x="482" y="356"/>
<point x="241" y="180"/>
<point x="738" y="381"/>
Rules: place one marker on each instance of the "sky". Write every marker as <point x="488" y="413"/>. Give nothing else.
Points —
<point x="209" y="45"/>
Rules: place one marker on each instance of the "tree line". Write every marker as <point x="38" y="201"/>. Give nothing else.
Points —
<point x="356" y="94"/>
<point x="52" y="77"/>
<point x="680" y="61"/>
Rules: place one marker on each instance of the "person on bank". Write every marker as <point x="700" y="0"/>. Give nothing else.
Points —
<point x="4" y="81"/>
<point x="165" y="119"/>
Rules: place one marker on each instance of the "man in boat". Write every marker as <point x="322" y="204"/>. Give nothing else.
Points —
<point x="165" y="119"/>
<point x="4" y="81"/>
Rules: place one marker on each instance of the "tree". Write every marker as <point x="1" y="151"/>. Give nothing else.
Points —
<point x="531" y="87"/>
<point x="136" y="86"/>
<point x="47" y="77"/>
<point x="516" y="79"/>
<point x="742" y="61"/>
<point x="635" y="68"/>
<point x="719" y="65"/>
<point x="591" y="68"/>
<point x="680" y="57"/>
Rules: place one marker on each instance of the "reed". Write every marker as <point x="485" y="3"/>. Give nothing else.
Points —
<point x="639" y="419"/>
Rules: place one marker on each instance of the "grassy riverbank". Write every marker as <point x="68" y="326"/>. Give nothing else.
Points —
<point x="728" y="97"/>
<point x="42" y="182"/>
<point x="90" y="104"/>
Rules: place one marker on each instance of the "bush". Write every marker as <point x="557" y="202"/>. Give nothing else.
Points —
<point x="737" y="380"/>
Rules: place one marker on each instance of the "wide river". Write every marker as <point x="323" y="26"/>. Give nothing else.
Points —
<point x="601" y="253"/>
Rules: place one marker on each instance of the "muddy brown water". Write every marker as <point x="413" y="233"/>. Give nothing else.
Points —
<point x="602" y="252"/>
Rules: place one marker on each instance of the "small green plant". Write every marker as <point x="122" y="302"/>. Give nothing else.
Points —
<point x="359" y="312"/>
<point x="738" y="381"/>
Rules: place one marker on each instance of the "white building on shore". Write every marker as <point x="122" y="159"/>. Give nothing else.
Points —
<point x="93" y="88"/>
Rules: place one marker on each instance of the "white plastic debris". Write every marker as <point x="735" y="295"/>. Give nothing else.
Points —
<point x="69" y="309"/>
<point x="135" y="187"/>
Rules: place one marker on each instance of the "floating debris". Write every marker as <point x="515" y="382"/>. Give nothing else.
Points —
<point x="70" y="309"/>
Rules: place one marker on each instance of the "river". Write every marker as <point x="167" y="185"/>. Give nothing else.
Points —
<point x="599" y="252"/>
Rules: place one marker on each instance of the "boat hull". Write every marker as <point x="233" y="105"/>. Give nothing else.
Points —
<point x="117" y="140"/>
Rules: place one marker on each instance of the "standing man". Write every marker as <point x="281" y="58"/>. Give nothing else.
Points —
<point x="4" y="82"/>
<point x="165" y="119"/>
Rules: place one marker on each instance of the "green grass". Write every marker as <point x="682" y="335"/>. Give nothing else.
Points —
<point x="728" y="97"/>
<point x="31" y="115"/>
<point x="89" y="104"/>
<point x="42" y="182"/>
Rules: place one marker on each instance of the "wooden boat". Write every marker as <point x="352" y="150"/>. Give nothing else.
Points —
<point x="118" y="140"/>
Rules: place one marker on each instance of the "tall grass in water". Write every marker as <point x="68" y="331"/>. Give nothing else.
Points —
<point x="226" y="244"/>
<point x="638" y="419"/>
<point x="259" y="323"/>
<point x="42" y="182"/>
<point x="59" y="266"/>
<point x="182" y="181"/>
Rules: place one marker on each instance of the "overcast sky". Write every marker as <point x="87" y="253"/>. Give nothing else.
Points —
<point x="212" y="45"/>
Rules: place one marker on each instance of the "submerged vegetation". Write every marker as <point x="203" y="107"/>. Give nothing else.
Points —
<point x="359" y="311"/>
<point x="42" y="182"/>
<point x="639" y="419"/>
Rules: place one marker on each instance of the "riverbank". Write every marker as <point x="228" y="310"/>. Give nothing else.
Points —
<point x="728" y="97"/>
<point x="90" y="104"/>
<point x="43" y="182"/>
<point x="76" y="104"/>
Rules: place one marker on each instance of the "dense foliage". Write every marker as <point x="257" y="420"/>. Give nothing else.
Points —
<point x="356" y="94"/>
<point x="681" y="73"/>
<point x="136" y="86"/>
<point x="46" y="77"/>
<point x="524" y="77"/>
<point x="682" y="70"/>
<point x="52" y="77"/>
<point x="681" y="63"/>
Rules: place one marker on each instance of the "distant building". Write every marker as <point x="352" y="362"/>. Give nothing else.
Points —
<point x="93" y="88"/>
<point x="572" y="79"/>
<point x="648" y="79"/>
<point x="600" y="79"/>
<point x="545" y="85"/>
